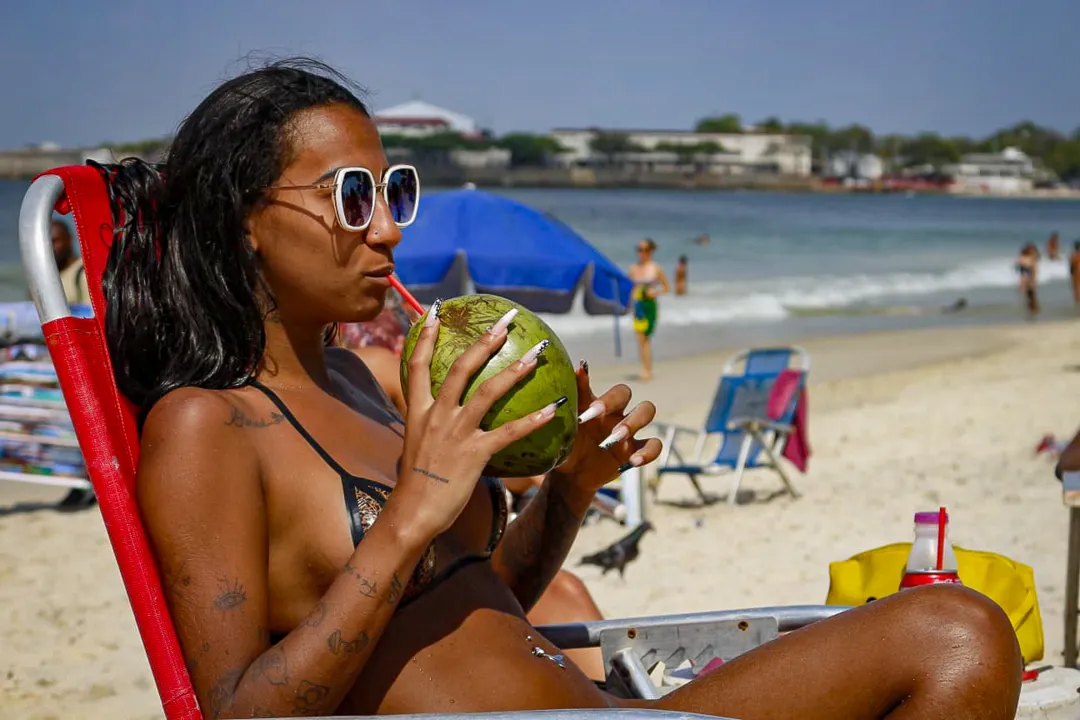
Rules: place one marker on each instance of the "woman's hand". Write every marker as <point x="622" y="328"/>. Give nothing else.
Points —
<point x="445" y="449"/>
<point x="605" y="446"/>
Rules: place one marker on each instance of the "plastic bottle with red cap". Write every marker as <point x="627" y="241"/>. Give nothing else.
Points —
<point x="928" y="564"/>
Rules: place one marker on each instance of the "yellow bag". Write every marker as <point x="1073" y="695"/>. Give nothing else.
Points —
<point x="876" y="573"/>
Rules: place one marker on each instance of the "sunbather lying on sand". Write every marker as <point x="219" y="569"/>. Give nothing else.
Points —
<point x="276" y="215"/>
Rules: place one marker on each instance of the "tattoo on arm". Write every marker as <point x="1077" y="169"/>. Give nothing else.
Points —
<point x="240" y="419"/>
<point x="429" y="474"/>
<point x="368" y="588"/>
<point x="221" y="693"/>
<point x="308" y="696"/>
<point x="232" y="594"/>
<point x="272" y="666"/>
<point x="340" y="646"/>
<point x="395" y="590"/>
<point x="536" y="545"/>
<point x="315" y="617"/>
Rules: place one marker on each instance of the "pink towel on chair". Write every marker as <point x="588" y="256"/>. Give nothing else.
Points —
<point x="797" y="449"/>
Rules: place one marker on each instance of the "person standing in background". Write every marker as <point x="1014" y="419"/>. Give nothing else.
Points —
<point x="72" y="274"/>
<point x="1074" y="271"/>
<point x="1027" y="266"/>
<point x="650" y="282"/>
<point x="76" y="291"/>
<point x="680" y="275"/>
<point x="1052" y="247"/>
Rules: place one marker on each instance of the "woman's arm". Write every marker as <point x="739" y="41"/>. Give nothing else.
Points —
<point x="201" y="495"/>
<point x="536" y="544"/>
<point x="661" y="277"/>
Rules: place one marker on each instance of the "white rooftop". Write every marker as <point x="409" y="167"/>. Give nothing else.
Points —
<point x="419" y="109"/>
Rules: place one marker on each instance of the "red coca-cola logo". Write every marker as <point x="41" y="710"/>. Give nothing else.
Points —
<point x="918" y="579"/>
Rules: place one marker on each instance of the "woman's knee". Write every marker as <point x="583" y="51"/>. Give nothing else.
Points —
<point x="970" y="635"/>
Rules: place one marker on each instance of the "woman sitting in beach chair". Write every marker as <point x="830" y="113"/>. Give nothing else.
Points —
<point x="266" y="459"/>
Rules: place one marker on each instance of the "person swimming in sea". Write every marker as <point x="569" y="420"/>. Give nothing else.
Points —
<point x="681" y="272"/>
<point x="650" y="282"/>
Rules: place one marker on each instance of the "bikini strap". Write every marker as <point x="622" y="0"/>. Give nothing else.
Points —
<point x="280" y="404"/>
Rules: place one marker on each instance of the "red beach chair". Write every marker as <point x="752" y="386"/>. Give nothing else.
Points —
<point x="104" y="423"/>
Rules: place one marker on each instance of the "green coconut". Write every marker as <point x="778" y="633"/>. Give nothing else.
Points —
<point x="462" y="321"/>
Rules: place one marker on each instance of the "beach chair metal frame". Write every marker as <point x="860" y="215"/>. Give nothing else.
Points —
<point x="744" y="422"/>
<point x="104" y="422"/>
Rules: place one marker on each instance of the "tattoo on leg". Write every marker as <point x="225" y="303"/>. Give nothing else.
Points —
<point x="395" y="590"/>
<point x="429" y="474"/>
<point x="240" y="419"/>
<point x="272" y="666"/>
<point x="309" y="695"/>
<point x="368" y="588"/>
<point x="340" y="646"/>
<point x="232" y="594"/>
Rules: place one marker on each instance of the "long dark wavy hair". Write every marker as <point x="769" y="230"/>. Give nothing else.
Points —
<point x="186" y="301"/>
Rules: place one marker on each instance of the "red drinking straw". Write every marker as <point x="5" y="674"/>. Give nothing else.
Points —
<point x="940" y="538"/>
<point x="413" y="303"/>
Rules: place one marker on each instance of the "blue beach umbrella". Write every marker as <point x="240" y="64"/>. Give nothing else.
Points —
<point x="506" y="248"/>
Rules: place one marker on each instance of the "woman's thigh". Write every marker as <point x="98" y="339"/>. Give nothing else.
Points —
<point x="933" y="652"/>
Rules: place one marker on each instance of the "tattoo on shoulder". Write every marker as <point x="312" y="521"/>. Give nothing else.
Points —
<point x="395" y="590"/>
<point x="340" y="646"/>
<point x="368" y="588"/>
<point x="272" y="666"/>
<point x="231" y="596"/>
<point x="309" y="696"/>
<point x="240" y="419"/>
<point x="429" y="474"/>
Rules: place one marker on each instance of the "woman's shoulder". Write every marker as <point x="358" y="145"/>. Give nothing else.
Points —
<point x="193" y="409"/>
<point x="192" y="418"/>
<point x="193" y="439"/>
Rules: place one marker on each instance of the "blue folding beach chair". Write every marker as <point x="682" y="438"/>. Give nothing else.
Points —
<point x="749" y="437"/>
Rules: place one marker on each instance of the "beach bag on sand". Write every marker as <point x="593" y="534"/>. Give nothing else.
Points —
<point x="876" y="573"/>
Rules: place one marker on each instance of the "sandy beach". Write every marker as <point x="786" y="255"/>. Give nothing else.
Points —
<point x="899" y="422"/>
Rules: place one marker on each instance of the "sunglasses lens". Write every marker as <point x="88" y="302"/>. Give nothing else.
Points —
<point x="357" y="198"/>
<point x="402" y="195"/>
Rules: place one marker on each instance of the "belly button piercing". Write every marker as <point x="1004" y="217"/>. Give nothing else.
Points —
<point x="557" y="659"/>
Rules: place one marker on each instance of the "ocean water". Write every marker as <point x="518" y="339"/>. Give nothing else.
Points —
<point x="782" y="266"/>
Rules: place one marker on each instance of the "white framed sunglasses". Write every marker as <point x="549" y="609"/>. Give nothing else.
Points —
<point x="356" y="191"/>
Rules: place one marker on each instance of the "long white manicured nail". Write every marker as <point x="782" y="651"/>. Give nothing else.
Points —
<point x="591" y="413"/>
<point x="550" y="409"/>
<point x="433" y="314"/>
<point x="617" y="435"/>
<point x="534" y="352"/>
<point x="504" y="322"/>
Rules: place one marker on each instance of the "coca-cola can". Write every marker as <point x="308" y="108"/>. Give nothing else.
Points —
<point x="918" y="578"/>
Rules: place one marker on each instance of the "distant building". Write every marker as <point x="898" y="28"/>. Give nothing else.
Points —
<point x="850" y="164"/>
<point x="655" y="150"/>
<point x="1009" y="171"/>
<point x="417" y="118"/>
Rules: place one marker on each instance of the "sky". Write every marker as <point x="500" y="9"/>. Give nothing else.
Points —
<point x="83" y="72"/>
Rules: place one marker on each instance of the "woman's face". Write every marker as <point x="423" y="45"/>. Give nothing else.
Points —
<point x="644" y="252"/>
<point x="318" y="271"/>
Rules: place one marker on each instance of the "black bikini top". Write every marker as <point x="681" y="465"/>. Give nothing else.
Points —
<point x="364" y="499"/>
